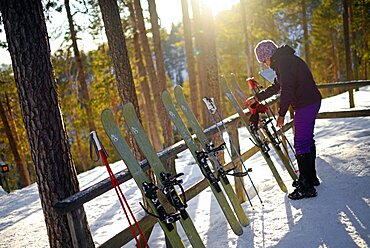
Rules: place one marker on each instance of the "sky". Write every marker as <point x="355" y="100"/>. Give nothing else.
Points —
<point x="169" y="11"/>
<point x="337" y="217"/>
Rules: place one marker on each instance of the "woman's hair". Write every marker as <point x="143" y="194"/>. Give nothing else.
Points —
<point x="265" y="49"/>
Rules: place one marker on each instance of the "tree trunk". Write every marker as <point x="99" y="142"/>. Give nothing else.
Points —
<point x="348" y="50"/>
<point x="193" y="85"/>
<point x="148" y="104"/>
<point x="200" y="47"/>
<point x="24" y="176"/>
<point x="121" y="63"/>
<point x="13" y="127"/>
<point x="149" y="65"/>
<point x="81" y="71"/>
<point x="211" y="62"/>
<point x="353" y="36"/>
<point x="334" y="57"/>
<point x="247" y="47"/>
<point x="29" y="48"/>
<point x="305" y="33"/>
<point x="166" y="123"/>
<point x="346" y="40"/>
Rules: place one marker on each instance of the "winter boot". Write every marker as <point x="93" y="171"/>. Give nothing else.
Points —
<point x="315" y="180"/>
<point x="312" y="171"/>
<point x="305" y="188"/>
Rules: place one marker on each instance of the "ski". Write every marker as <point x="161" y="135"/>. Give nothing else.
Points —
<point x="167" y="181"/>
<point x="103" y="155"/>
<point x="165" y="220"/>
<point x="201" y="158"/>
<point x="273" y="137"/>
<point x="212" y="153"/>
<point x="261" y="144"/>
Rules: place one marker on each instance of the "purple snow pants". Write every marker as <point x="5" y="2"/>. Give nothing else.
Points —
<point x="304" y="123"/>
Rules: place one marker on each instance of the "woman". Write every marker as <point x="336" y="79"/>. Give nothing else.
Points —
<point x="297" y="87"/>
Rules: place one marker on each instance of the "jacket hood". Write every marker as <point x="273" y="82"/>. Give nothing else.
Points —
<point x="281" y="52"/>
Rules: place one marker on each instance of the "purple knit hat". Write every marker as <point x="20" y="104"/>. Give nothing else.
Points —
<point x="265" y="49"/>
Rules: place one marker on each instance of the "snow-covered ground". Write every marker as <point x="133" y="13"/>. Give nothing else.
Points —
<point x="338" y="217"/>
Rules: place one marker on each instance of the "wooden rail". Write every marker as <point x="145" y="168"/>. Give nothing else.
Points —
<point x="74" y="202"/>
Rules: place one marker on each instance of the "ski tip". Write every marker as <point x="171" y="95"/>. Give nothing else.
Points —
<point x="178" y="88"/>
<point x="165" y="93"/>
<point x="106" y="111"/>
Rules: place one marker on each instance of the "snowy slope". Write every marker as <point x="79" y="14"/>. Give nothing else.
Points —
<point x="338" y="217"/>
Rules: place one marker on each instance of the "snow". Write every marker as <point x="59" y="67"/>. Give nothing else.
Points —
<point x="338" y="217"/>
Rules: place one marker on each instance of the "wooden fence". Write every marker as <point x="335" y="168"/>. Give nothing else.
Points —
<point x="72" y="203"/>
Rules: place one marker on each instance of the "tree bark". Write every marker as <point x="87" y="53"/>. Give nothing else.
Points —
<point x="347" y="40"/>
<point x="193" y="85"/>
<point x="149" y="65"/>
<point x="305" y="33"/>
<point x="347" y="49"/>
<point x="211" y="62"/>
<point x="13" y="127"/>
<point x="353" y="37"/>
<point x="121" y="63"/>
<point x="167" y="129"/>
<point x="148" y="104"/>
<point x="80" y="69"/>
<point x="29" y="48"/>
<point x="200" y="56"/>
<point x="247" y="47"/>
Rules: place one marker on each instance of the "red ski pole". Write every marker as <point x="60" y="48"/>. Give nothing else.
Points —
<point x="122" y="199"/>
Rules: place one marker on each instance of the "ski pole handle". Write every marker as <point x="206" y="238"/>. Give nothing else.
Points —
<point x="210" y="104"/>
<point x="95" y="139"/>
<point x="98" y="146"/>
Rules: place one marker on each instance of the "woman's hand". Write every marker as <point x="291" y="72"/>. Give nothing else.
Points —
<point x="280" y="121"/>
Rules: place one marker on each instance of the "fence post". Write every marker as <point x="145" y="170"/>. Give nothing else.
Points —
<point x="234" y="138"/>
<point x="351" y="98"/>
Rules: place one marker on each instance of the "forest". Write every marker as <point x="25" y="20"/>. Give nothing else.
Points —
<point x="332" y="36"/>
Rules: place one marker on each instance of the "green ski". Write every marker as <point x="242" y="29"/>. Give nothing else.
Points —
<point x="208" y="146"/>
<point x="201" y="159"/>
<point x="166" y="221"/>
<point x="273" y="139"/>
<point x="255" y="137"/>
<point x="168" y="181"/>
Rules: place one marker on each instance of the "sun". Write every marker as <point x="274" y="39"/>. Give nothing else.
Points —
<point x="219" y="5"/>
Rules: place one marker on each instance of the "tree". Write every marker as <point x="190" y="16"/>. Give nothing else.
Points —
<point x="247" y="46"/>
<point x="212" y="86"/>
<point x="149" y="65"/>
<point x="167" y="129"/>
<point x="194" y="91"/>
<point x="20" y="162"/>
<point x="347" y="49"/>
<point x="29" y="48"/>
<point x="121" y="63"/>
<point x="305" y="33"/>
<point x="200" y="56"/>
<point x="80" y="69"/>
<point x="148" y="103"/>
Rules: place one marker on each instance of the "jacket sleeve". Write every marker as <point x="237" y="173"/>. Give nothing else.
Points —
<point x="269" y="91"/>
<point x="287" y="82"/>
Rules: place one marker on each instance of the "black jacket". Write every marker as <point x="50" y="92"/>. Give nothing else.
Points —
<point x="293" y="80"/>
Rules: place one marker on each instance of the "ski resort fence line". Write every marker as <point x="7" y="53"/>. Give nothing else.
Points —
<point x="233" y="122"/>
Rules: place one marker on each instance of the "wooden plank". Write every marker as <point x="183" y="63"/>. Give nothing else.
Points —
<point x="348" y="84"/>
<point x="344" y="114"/>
